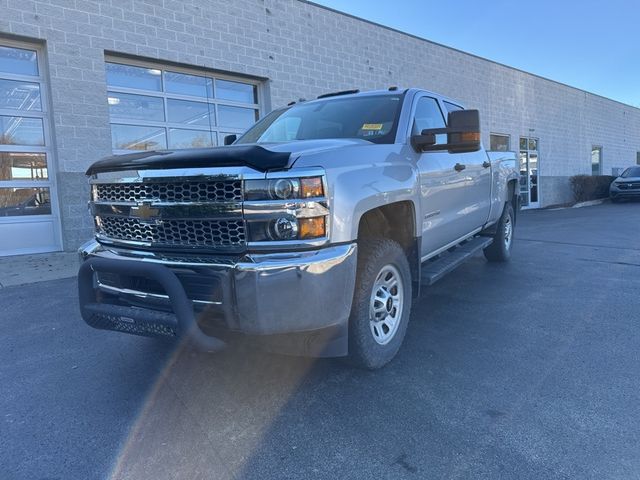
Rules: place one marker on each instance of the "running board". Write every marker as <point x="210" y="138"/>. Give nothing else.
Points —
<point x="434" y="270"/>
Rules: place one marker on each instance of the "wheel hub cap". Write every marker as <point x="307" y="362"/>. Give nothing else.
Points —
<point x="508" y="232"/>
<point x="387" y="299"/>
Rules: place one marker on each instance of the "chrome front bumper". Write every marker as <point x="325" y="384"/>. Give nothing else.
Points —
<point x="258" y="294"/>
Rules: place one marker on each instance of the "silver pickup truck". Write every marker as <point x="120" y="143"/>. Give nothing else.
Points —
<point x="311" y="233"/>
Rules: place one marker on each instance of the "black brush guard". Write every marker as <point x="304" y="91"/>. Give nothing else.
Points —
<point x="141" y="321"/>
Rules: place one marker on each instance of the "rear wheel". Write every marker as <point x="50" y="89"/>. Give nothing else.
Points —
<point x="500" y="249"/>
<point x="381" y="303"/>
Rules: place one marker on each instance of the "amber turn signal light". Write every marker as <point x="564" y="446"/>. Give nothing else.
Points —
<point x="311" y="187"/>
<point x="314" y="227"/>
<point x="465" y="137"/>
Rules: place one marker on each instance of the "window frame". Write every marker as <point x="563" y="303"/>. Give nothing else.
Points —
<point x="600" y="159"/>
<point x="414" y="109"/>
<point x="47" y="149"/>
<point x="217" y="132"/>
<point x="456" y="108"/>
<point x="508" y="136"/>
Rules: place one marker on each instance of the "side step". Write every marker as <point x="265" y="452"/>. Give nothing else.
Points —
<point x="434" y="270"/>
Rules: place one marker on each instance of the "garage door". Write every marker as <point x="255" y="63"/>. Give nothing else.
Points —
<point x="28" y="207"/>
<point x="153" y="106"/>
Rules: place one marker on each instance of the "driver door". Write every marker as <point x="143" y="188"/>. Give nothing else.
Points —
<point x="443" y="199"/>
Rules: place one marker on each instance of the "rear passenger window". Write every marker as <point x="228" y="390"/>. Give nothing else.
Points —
<point x="428" y="115"/>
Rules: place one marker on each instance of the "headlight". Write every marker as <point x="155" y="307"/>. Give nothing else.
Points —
<point x="283" y="188"/>
<point x="286" y="209"/>
<point x="283" y="229"/>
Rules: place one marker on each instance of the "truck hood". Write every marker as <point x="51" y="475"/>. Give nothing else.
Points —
<point x="259" y="157"/>
<point x="627" y="180"/>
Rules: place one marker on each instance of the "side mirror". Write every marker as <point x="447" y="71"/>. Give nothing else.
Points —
<point x="463" y="134"/>
<point x="229" y="139"/>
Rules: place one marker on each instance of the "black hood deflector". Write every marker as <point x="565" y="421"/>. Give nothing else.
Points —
<point x="254" y="156"/>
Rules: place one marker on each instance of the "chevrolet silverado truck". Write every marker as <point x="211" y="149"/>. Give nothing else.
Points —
<point x="311" y="233"/>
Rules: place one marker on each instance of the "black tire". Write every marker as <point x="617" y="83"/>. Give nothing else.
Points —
<point x="500" y="249"/>
<point x="616" y="200"/>
<point x="378" y="258"/>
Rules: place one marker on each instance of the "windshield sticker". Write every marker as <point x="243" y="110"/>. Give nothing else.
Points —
<point x="372" y="126"/>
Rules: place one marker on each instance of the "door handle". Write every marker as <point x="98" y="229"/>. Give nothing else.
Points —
<point x="486" y="164"/>
<point x="459" y="167"/>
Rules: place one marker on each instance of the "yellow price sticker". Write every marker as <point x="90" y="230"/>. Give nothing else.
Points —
<point x="372" y="126"/>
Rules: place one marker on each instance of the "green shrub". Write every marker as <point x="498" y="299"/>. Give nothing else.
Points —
<point x="590" y="187"/>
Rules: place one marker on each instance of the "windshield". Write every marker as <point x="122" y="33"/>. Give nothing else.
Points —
<point x="373" y="118"/>
<point x="631" y="172"/>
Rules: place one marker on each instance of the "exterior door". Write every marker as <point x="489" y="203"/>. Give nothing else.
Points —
<point x="478" y="192"/>
<point x="28" y="207"/>
<point x="443" y="199"/>
<point x="596" y="160"/>
<point x="529" y="193"/>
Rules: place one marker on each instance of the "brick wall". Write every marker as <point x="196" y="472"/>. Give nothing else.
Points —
<point x="303" y="50"/>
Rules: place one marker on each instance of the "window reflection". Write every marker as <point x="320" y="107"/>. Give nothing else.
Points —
<point x="180" y="138"/>
<point x="184" y="84"/>
<point x="596" y="160"/>
<point x="236" y="91"/>
<point x="174" y="109"/>
<point x="119" y="75"/>
<point x="23" y="166"/>
<point x="524" y="145"/>
<point x="24" y="201"/>
<point x="135" y="107"/>
<point x="21" y="131"/>
<point x="236" y="117"/>
<point x="189" y="113"/>
<point x="18" y="61"/>
<point x="133" y="137"/>
<point x="19" y="95"/>
<point x="499" y="143"/>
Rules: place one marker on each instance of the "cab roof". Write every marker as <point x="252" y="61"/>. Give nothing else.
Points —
<point x="390" y="91"/>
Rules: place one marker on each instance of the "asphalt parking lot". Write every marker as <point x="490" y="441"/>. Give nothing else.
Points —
<point x="524" y="370"/>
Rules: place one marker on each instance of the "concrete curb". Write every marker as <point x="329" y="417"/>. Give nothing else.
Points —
<point x="590" y="203"/>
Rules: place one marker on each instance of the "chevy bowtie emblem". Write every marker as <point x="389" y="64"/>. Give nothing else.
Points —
<point x="144" y="211"/>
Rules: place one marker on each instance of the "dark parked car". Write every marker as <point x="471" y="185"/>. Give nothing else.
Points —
<point x="626" y="185"/>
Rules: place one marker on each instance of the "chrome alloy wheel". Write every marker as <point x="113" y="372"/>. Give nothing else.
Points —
<point x="387" y="300"/>
<point x="508" y="232"/>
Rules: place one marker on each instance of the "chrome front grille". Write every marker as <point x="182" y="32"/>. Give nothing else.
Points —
<point x="176" y="233"/>
<point x="216" y="191"/>
<point x="171" y="213"/>
<point x="628" y="186"/>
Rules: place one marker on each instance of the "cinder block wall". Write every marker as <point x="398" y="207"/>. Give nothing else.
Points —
<point x="301" y="50"/>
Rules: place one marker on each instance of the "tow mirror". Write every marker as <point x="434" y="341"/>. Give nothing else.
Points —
<point x="229" y="139"/>
<point x="463" y="134"/>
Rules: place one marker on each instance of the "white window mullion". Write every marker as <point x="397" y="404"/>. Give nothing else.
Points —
<point x="21" y="78"/>
<point x="9" y="112"/>
<point x="24" y="149"/>
<point x="25" y="183"/>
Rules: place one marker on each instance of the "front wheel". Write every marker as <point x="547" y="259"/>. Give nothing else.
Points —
<point x="500" y="249"/>
<point x="381" y="303"/>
